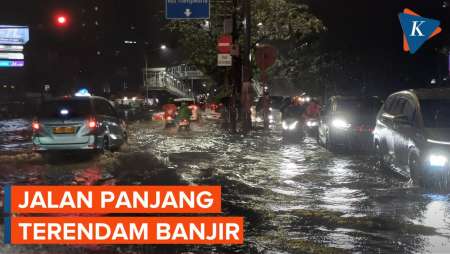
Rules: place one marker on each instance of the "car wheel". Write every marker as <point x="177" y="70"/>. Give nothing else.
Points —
<point x="106" y="145"/>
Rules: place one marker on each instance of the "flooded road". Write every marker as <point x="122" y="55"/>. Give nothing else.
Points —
<point x="15" y="135"/>
<point x="295" y="197"/>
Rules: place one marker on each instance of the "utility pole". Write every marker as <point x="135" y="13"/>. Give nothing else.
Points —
<point x="235" y="73"/>
<point x="247" y="68"/>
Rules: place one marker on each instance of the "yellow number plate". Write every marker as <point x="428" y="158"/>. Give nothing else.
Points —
<point x="64" y="130"/>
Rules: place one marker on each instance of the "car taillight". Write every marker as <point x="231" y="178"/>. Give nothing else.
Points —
<point x="35" y="126"/>
<point x="92" y="123"/>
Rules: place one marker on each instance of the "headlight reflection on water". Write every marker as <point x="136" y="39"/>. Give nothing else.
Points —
<point x="341" y="124"/>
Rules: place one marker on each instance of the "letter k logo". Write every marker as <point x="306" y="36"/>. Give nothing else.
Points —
<point x="417" y="30"/>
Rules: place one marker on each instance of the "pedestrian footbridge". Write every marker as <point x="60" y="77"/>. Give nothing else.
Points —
<point x="176" y="80"/>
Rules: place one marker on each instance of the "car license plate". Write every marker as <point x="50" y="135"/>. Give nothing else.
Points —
<point x="64" y="130"/>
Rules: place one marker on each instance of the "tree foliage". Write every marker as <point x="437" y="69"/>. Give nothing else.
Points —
<point x="282" y="23"/>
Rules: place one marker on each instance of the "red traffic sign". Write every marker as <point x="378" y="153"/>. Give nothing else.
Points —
<point x="266" y="56"/>
<point x="224" y="44"/>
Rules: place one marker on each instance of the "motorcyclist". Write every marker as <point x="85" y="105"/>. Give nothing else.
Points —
<point x="313" y="110"/>
<point x="266" y="101"/>
<point x="170" y="110"/>
<point x="184" y="113"/>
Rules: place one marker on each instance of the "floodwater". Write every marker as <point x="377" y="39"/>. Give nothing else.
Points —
<point x="15" y="134"/>
<point x="295" y="197"/>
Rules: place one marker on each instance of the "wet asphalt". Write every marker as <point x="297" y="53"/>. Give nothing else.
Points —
<point x="296" y="197"/>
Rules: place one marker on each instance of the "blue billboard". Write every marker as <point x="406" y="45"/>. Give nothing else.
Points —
<point x="187" y="9"/>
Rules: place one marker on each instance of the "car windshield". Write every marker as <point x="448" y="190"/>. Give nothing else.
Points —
<point x="293" y="111"/>
<point x="436" y="113"/>
<point x="362" y="107"/>
<point x="65" y="108"/>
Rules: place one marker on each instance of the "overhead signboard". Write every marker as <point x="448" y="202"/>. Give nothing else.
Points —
<point x="187" y="9"/>
<point x="12" y="63"/>
<point x="224" y="60"/>
<point x="14" y="35"/>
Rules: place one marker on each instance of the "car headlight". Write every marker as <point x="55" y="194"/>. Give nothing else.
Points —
<point x="341" y="124"/>
<point x="437" y="160"/>
<point x="312" y="123"/>
<point x="293" y="125"/>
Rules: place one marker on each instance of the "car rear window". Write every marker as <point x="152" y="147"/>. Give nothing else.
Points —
<point x="65" y="109"/>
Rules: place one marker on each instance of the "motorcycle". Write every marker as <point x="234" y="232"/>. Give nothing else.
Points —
<point x="184" y="125"/>
<point x="293" y="128"/>
<point x="169" y="122"/>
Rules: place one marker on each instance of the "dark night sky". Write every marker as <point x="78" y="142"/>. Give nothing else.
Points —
<point x="76" y="46"/>
<point x="368" y="30"/>
<point x="371" y="31"/>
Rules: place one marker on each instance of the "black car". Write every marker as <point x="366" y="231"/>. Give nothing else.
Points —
<point x="412" y="135"/>
<point x="348" y="122"/>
